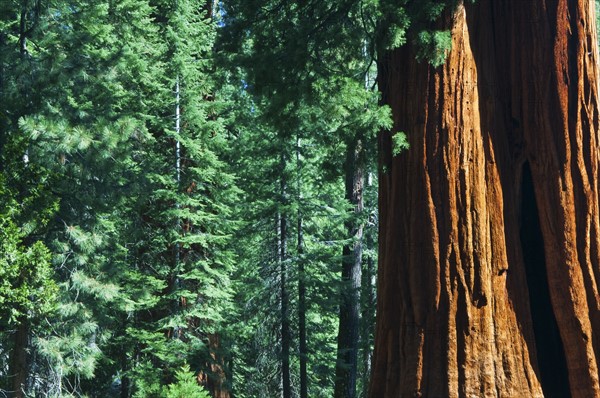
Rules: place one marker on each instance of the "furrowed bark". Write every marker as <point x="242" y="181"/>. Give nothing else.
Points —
<point x="496" y="197"/>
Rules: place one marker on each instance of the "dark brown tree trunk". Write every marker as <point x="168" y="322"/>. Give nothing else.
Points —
<point x="283" y="275"/>
<point x="367" y="324"/>
<point x="18" y="361"/>
<point x="23" y="30"/>
<point x="489" y="223"/>
<point x="302" y="340"/>
<point x="347" y="350"/>
<point x="125" y="391"/>
<point x="302" y="343"/>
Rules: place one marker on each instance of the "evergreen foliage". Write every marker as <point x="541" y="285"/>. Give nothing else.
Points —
<point x="98" y="82"/>
<point x="27" y="287"/>
<point x="258" y="336"/>
<point x="173" y="190"/>
<point x="186" y="386"/>
<point x="307" y="68"/>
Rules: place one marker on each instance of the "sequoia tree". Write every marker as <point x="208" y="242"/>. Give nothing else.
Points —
<point x="490" y="225"/>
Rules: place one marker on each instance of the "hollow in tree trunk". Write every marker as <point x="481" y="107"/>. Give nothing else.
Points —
<point x="489" y="223"/>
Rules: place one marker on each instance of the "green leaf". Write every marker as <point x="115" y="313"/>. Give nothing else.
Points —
<point x="399" y="143"/>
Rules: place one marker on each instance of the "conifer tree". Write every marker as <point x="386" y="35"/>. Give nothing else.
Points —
<point x="187" y="215"/>
<point x="28" y="290"/>
<point x="301" y="67"/>
<point x="101" y="128"/>
<point x="86" y="132"/>
<point x="314" y="240"/>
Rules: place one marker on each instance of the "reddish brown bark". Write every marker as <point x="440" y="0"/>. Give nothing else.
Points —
<point x="216" y="381"/>
<point x="514" y="109"/>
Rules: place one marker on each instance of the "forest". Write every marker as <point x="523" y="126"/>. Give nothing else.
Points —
<point x="293" y="199"/>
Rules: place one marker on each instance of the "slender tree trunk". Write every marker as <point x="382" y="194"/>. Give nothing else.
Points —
<point x="368" y="299"/>
<point x="490" y="228"/>
<point x="125" y="353"/>
<point x="23" y="29"/>
<point x="29" y="18"/>
<point x="367" y="322"/>
<point x="19" y="362"/>
<point x="301" y="285"/>
<point x="302" y="313"/>
<point x="3" y="78"/>
<point x="176" y="282"/>
<point x="125" y="391"/>
<point x="285" y="317"/>
<point x="348" y="334"/>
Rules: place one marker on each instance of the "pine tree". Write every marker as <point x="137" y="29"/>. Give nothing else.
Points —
<point x="186" y="220"/>
<point x="28" y="290"/>
<point x="100" y="126"/>
<point x="306" y="97"/>
<point x="313" y="243"/>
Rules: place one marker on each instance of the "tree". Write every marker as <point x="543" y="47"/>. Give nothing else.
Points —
<point x="28" y="291"/>
<point x="26" y="84"/>
<point x="368" y="286"/>
<point x="489" y="223"/>
<point x="179" y="231"/>
<point x="313" y="211"/>
<point x="139" y="224"/>
<point x="186" y="386"/>
<point x="307" y="63"/>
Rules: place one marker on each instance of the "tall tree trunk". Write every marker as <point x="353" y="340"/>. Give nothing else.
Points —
<point x="495" y="202"/>
<point x="347" y="349"/>
<point x="215" y="381"/>
<point x="368" y="298"/>
<point x="124" y="358"/>
<point x="176" y="281"/>
<point x="285" y="317"/>
<point x="302" y="343"/>
<point x="18" y="361"/>
<point x="23" y="29"/>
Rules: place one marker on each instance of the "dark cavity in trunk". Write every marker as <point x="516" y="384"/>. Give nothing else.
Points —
<point x="549" y="347"/>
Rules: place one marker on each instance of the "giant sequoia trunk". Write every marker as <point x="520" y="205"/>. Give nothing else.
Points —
<point x="490" y="229"/>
